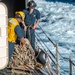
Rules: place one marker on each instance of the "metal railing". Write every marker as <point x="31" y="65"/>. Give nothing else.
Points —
<point x="55" y="59"/>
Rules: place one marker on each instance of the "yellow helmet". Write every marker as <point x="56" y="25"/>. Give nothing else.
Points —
<point x="21" y="13"/>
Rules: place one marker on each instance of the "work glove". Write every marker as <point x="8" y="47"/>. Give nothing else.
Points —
<point x="34" y="27"/>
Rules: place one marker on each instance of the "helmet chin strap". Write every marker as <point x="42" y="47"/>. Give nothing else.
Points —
<point x="21" y="20"/>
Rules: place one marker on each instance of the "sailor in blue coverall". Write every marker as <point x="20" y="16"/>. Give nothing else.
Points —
<point x="32" y="17"/>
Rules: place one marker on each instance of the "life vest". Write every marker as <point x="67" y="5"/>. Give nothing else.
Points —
<point x="12" y="23"/>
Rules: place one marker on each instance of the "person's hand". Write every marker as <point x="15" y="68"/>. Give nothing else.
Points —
<point x="23" y="22"/>
<point x="24" y="25"/>
<point x="22" y="45"/>
<point x="25" y="28"/>
<point x="34" y="27"/>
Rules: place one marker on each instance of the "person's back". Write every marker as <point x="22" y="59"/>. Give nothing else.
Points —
<point x="12" y="23"/>
<point x="14" y="31"/>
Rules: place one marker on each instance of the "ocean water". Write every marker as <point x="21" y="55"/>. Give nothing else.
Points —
<point x="58" y="22"/>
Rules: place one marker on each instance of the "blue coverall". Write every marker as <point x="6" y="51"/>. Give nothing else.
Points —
<point x="30" y="19"/>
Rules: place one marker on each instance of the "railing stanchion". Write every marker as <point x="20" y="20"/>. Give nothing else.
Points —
<point x="57" y="60"/>
<point x="70" y="66"/>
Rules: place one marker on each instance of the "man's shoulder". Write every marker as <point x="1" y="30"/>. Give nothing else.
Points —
<point x="13" y="21"/>
<point x="25" y="10"/>
<point x="17" y="28"/>
<point x="37" y="11"/>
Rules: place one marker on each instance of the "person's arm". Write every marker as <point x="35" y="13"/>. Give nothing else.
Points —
<point x="36" y="24"/>
<point x="20" y="35"/>
<point x="23" y="22"/>
<point x="38" y="19"/>
<point x="22" y="42"/>
<point x="24" y="25"/>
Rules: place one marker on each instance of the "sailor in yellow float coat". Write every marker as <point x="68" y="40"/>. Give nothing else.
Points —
<point x="15" y="31"/>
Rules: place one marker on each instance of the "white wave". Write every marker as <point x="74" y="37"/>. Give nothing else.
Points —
<point x="58" y="21"/>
